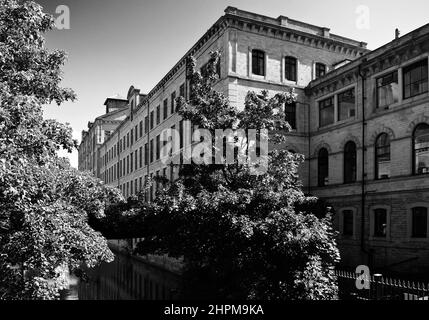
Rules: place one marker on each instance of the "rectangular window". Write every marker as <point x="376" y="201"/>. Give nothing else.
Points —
<point x="380" y="222"/>
<point x="131" y="162"/>
<point x="415" y="79"/>
<point x="141" y="157"/>
<point x="173" y="98"/>
<point x="165" y="111"/>
<point x="346" y="104"/>
<point x="128" y="164"/>
<point x="135" y="160"/>
<point x="140" y="184"/>
<point x="132" y="136"/>
<point x="387" y="89"/>
<point x="141" y="128"/>
<point x="326" y="112"/>
<point x="135" y="132"/>
<point x="320" y="70"/>
<point x="181" y="133"/>
<point x="258" y="62"/>
<point x="158" y="147"/>
<point x="128" y="140"/>
<point x="182" y="90"/>
<point x="158" y="114"/>
<point x="290" y="68"/>
<point x="151" y="120"/>
<point x="419" y="222"/>
<point x="290" y="114"/>
<point x="347" y="222"/>
<point x="146" y="154"/>
<point x="146" y="124"/>
<point x="151" y="151"/>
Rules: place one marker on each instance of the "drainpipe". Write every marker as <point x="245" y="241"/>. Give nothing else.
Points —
<point x="363" y="195"/>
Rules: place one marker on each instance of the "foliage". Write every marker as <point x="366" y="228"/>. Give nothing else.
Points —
<point x="239" y="233"/>
<point x="44" y="203"/>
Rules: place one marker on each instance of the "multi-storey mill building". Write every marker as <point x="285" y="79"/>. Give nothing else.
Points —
<point x="379" y="203"/>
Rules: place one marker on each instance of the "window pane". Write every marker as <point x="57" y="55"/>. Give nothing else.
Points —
<point x="290" y="114"/>
<point x="326" y="112"/>
<point x="419" y="222"/>
<point x="382" y="156"/>
<point x="346" y="104"/>
<point x="380" y="222"/>
<point x="290" y="68"/>
<point x="387" y="89"/>
<point x="421" y="149"/>
<point x="415" y="78"/>
<point x="258" y="62"/>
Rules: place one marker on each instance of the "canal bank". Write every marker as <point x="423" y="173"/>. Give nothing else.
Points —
<point x="128" y="277"/>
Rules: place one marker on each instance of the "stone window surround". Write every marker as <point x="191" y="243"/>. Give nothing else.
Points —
<point x="341" y="223"/>
<point x="410" y="221"/>
<point x="371" y="210"/>
<point x="335" y="96"/>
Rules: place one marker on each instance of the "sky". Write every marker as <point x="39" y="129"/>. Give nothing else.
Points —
<point x="113" y="44"/>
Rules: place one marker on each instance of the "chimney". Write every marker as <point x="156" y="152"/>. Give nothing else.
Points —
<point x="397" y="33"/>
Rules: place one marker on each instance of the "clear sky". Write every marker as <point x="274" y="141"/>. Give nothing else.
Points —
<point x="113" y="44"/>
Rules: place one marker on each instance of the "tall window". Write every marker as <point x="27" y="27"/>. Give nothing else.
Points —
<point x="165" y="111"/>
<point x="416" y="78"/>
<point x="380" y="222"/>
<point x="146" y="154"/>
<point x="290" y="114"/>
<point x="151" y="151"/>
<point x="173" y="98"/>
<point x="382" y="156"/>
<point x="146" y="124"/>
<point x="320" y="70"/>
<point x="419" y="222"/>
<point x="151" y="120"/>
<point x="350" y="162"/>
<point x="141" y="129"/>
<point x="158" y="147"/>
<point x="421" y="149"/>
<point x="346" y="104"/>
<point x="326" y="112"/>
<point x="182" y="90"/>
<point x="140" y="157"/>
<point x="158" y="114"/>
<point x="258" y="62"/>
<point x="348" y="223"/>
<point x="290" y="68"/>
<point x="322" y="167"/>
<point x="387" y="89"/>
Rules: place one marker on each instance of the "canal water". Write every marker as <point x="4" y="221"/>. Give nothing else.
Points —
<point x="126" y="278"/>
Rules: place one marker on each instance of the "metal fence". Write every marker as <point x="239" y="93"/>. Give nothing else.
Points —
<point x="380" y="288"/>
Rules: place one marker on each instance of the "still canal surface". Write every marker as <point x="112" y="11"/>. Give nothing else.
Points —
<point x="126" y="278"/>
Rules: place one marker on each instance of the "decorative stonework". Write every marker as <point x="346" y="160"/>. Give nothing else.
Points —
<point x="321" y="145"/>
<point x="379" y="131"/>
<point x="420" y="119"/>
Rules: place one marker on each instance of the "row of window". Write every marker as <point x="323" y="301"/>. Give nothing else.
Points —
<point x="135" y="186"/>
<point x="420" y="149"/>
<point x="149" y="123"/>
<point x="380" y="219"/>
<point x="415" y="82"/>
<point x="290" y="66"/>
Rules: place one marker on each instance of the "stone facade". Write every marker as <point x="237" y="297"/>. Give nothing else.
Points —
<point x="349" y="66"/>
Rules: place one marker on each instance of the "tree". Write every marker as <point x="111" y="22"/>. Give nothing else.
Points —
<point x="44" y="203"/>
<point x="240" y="234"/>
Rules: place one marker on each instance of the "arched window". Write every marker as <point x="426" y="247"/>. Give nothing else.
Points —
<point x="350" y="162"/>
<point x="258" y="62"/>
<point x="382" y="156"/>
<point x="290" y="68"/>
<point x="421" y="149"/>
<point x="322" y="167"/>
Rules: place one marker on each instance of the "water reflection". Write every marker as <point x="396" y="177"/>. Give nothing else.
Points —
<point x="128" y="278"/>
